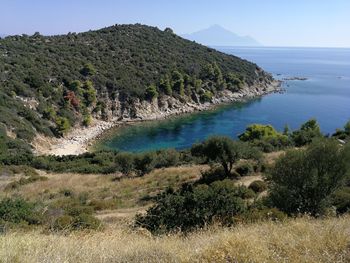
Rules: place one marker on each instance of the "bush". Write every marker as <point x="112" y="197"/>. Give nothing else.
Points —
<point x="258" y="186"/>
<point x="145" y="162"/>
<point x="62" y="125"/>
<point x="151" y="92"/>
<point x="193" y="206"/>
<point x="87" y="120"/>
<point x="167" y="158"/>
<point x="245" y="169"/>
<point x="265" y="137"/>
<point x="341" y="200"/>
<point x="309" y="131"/>
<point x="258" y="132"/>
<point x="302" y="181"/>
<point x="207" y="96"/>
<point x="18" y="211"/>
<point x="79" y="222"/>
<point x="75" y="215"/>
<point x="264" y="214"/>
<point x="213" y="174"/>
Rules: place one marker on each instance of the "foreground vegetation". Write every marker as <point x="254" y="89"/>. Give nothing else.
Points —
<point x="295" y="240"/>
<point x="257" y="199"/>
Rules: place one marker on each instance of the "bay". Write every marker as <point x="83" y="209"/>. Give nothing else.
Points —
<point x="325" y="95"/>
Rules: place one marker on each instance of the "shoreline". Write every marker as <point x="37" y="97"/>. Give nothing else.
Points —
<point x="80" y="139"/>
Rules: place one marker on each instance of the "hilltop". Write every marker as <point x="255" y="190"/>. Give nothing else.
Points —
<point x="123" y="72"/>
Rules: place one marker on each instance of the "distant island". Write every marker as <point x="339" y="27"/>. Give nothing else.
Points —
<point x="216" y="35"/>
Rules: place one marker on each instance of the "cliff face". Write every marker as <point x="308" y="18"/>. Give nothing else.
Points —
<point x="165" y="106"/>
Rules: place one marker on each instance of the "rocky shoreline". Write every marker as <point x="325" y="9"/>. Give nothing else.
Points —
<point x="80" y="138"/>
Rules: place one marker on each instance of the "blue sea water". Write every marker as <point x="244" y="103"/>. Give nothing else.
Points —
<point x="325" y="95"/>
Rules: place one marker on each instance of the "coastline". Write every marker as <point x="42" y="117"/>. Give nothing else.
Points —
<point x="79" y="139"/>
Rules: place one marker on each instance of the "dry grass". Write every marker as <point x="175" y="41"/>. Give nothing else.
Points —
<point x="299" y="240"/>
<point x="127" y="192"/>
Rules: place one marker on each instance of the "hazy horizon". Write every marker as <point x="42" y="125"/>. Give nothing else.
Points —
<point x="273" y="23"/>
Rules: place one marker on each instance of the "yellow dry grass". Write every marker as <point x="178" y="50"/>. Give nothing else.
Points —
<point x="127" y="191"/>
<point x="298" y="240"/>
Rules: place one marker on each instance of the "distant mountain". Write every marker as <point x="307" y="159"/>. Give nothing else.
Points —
<point x="2" y="35"/>
<point x="219" y="36"/>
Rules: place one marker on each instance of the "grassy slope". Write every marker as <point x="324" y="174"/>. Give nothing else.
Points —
<point x="296" y="240"/>
<point x="299" y="240"/>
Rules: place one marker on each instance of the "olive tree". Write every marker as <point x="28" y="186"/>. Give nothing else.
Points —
<point x="224" y="151"/>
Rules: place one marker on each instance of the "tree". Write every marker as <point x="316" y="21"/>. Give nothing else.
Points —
<point x="234" y="82"/>
<point x="225" y="151"/>
<point x="89" y="93"/>
<point x="165" y="86"/>
<point x="208" y="72"/>
<point x="62" y="125"/>
<point x="258" y="132"/>
<point x="178" y="83"/>
<point x="76" y="86"/>
<point x="218" y="76"/>
<point x="302" y="181"/>
<point x="286" y="130"/>
<point x="347" y="128"/>
<point x="151" y="92"/>
<point x="307" y="132"/>
<point x="88" y="70"/>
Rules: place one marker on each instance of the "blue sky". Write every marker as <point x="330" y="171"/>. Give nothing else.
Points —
<point x="324" y="23"/>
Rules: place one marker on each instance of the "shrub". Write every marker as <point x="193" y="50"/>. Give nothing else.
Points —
<point x="88" y="70"/>
<point x="264" y="214"/>
<point x="207" y="96"/>
<point x="87" y="120"/>
<point x="309" y="131"/>
<point x="302" y="181"/>
<point x="125" y="162"/>
<point x="193" y="206"/>
<point x="75" y="215"/>
<point x="145" y="162"/>
<point x="18" y="211"/>
<point x="265" y="137"/>
<point x="258" y="186"/>
<point x="258" y="132"/>
<point x="245" y="169"/>
<point x="62" y="125"/>
<point x="215" y="173"/>
<point x="64" y="222"/>
<point x="151" y="92"/>
<point x="167" y="158"/>
<point x="341" y="200"/>
<point x="79" y="222"/>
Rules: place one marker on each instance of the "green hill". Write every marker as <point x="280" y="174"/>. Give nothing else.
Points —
<point x="50" y="83"/>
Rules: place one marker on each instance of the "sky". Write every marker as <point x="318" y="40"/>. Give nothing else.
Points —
<point x="306" y="23"/>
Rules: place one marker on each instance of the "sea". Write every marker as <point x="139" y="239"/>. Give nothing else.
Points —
<point x="324" y="95"/>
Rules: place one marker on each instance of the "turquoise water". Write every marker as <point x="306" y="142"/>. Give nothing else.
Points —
<point x="325" y="95"/>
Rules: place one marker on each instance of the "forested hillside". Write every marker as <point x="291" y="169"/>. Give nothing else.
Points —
<point x="50" y="83"/>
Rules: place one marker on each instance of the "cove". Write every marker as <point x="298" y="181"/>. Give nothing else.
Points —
<point x="325" y="95"/>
